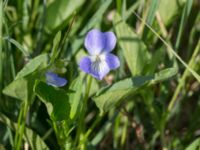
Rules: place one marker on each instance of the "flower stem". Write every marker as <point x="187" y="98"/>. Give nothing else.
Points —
<point x="89" y="131"/>
<point x="81" y="128"/>
<point x="21" y="126"/>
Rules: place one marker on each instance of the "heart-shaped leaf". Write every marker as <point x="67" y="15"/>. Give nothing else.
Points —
<point x="33" y="65"/>
<point x="134" y="50"/>
<point x="108" y="97"/>
<point x="22" y="87"/>
<point x="55" y="99"/>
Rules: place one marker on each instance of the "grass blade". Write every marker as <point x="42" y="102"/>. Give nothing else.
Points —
<point x="19" y="46"/>
<point x="151" y="15"/>
<point x="170" y="49"/>
<point x="1" y="51"/>
<point x="184" y="17"/>
<point x="30" y="136"/>
<point x="183" y="78"/>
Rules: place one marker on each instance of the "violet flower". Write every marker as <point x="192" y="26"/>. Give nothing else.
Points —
<point x="54" y="80"/>
<point x="100" y="61"/>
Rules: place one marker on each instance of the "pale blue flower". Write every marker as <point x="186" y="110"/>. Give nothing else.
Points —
<point x="100" y="61"/>
<point x="54" y="80"/>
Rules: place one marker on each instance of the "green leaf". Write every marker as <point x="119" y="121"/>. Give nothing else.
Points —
<point x="55" y="51"/>
<point x="134" y="50"/>
<point x="108" y="97"/>
<point x="59" y="11"/>
<point x="167" y="13"/>
<point x="75" y="97"/>
<point x="33" y="65"/>
<point x="195" y="145"/>
<point x="17" y="89"/>
<point x="164" y="75"/>
<point x="21" y="88"/>
<point x="56" y="100"/>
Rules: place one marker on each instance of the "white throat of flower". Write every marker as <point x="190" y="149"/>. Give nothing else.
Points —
<point x="98" y="63"/>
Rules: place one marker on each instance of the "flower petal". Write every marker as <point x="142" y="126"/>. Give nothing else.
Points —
<point x="110" y="41"/>
<point x="99" y="69"/>
<point x="54" y="80"/>
<point x="85" y="64"/>
<point x="112" y="61"/>
<point x="94" y="42"/>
